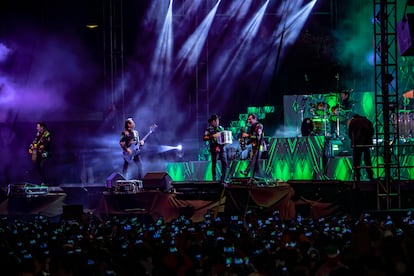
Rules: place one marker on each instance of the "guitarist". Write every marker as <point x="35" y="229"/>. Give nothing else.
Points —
<point x="130" y="144"/>
<point x="39" y="150"/>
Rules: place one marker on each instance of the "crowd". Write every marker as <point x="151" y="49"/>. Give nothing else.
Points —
<point x="234" y="245"/>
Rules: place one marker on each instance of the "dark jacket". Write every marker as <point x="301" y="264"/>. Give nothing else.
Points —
<point x="360" y="131"/>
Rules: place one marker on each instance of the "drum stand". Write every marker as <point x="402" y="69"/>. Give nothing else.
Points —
<point x="302" y="116"/>
<point x="325" y="121"/>
<point x="235" y="159"/>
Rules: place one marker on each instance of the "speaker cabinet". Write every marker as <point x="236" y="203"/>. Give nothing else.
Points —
<point x="405" y="32"/>
<point x="161" y="181"/>
<point x="112" y="179"/>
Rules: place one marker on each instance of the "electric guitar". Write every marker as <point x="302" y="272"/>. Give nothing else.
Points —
<point x="33" y="152"/>
<point x="136" y="148"/>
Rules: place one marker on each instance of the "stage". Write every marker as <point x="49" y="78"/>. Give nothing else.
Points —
<point x="299" y="175"/>
<point x="194" y="199"/>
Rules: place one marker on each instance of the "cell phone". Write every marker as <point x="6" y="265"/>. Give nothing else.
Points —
<point x="228" y="249"/>
<point x="229" y="261"/>
<point x="291" y="244"/>
<point x="173" y="249"/>
<point x="27" y="256"/>
<point x="238" y="261"/>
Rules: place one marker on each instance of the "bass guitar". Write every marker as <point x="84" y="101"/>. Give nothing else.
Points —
<point x="136" y="148"/>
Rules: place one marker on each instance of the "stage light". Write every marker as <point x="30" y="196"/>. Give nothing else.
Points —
<point x="92" y="26"/>
<point x="180" y="147"/>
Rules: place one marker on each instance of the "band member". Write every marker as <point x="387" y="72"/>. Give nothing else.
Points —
<point x="345" y="100"/>
<point x="39" y="149"/>
<point x="254" y="137"/>
<point x="306" y="127"/>
<point x="361" y="131"/>
<point x="131" y="145"/>
<point x="216" y="150"/>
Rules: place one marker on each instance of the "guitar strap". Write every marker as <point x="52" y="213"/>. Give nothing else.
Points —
<point x="136" y="137"/>
<point x="39" y="138"/>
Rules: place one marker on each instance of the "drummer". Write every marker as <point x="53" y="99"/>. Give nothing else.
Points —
<point x="216" y="150"/>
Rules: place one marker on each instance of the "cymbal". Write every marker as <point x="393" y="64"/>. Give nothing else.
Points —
<point x="404" y="111"/>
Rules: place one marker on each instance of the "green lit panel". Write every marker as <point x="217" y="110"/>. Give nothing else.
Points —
<point x="296" y="158"/>
<point x="340" y="169"/>
<point x="377" y="162"/>
<point x="253" y="109"/>
<point x="407" y="164"/>
<point x="191" y="171"/>
<point x="268" y="109"/>
<point x="364" y="104"/>
<point x="176" y="171"/>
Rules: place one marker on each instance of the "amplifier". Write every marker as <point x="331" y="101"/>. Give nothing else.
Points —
<point x="127" y="186"/>
<point x="26" y="190"/>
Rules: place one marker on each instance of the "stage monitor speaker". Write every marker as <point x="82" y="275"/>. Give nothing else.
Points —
<point x="161" y="181"/>
<point x="112" y="179"/>
<point x="405" y="35"/>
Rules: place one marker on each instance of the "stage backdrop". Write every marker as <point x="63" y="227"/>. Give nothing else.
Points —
<point x="300" y="158"/>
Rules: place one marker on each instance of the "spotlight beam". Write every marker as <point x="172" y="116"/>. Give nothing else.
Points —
<point x="191" y="50"/>
<point x="248" y="33"/>
<point x="161" y="65"/>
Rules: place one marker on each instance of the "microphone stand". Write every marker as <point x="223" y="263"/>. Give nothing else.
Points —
<point x="256" y="160"/>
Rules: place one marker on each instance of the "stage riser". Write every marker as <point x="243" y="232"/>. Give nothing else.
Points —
<point x="300" y="158"/>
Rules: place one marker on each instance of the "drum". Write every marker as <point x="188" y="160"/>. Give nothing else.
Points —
<point x="224" y="137"/>
<point x="336" y="113"/>
<point x="319" y="125"/>
<point x="405" y="123"/>
<point x="322" y="109"/>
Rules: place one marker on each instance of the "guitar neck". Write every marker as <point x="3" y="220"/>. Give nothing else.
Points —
<point x="146" y="136"/>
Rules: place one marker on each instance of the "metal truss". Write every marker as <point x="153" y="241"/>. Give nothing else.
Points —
<point x="386" y="105"/>
<point x="113" y="43"/>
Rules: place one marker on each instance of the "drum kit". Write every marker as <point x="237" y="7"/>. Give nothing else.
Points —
<point x="405" y="121"/>
<point x="405" y="117"/>
<point x="326" y="114"/>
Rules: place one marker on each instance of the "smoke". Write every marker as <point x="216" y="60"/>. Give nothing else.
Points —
<point x="43" y="74"/>
<point x="354" y="36"/>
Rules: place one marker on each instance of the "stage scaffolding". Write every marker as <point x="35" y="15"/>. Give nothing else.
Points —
<point x="386" y="104"/>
